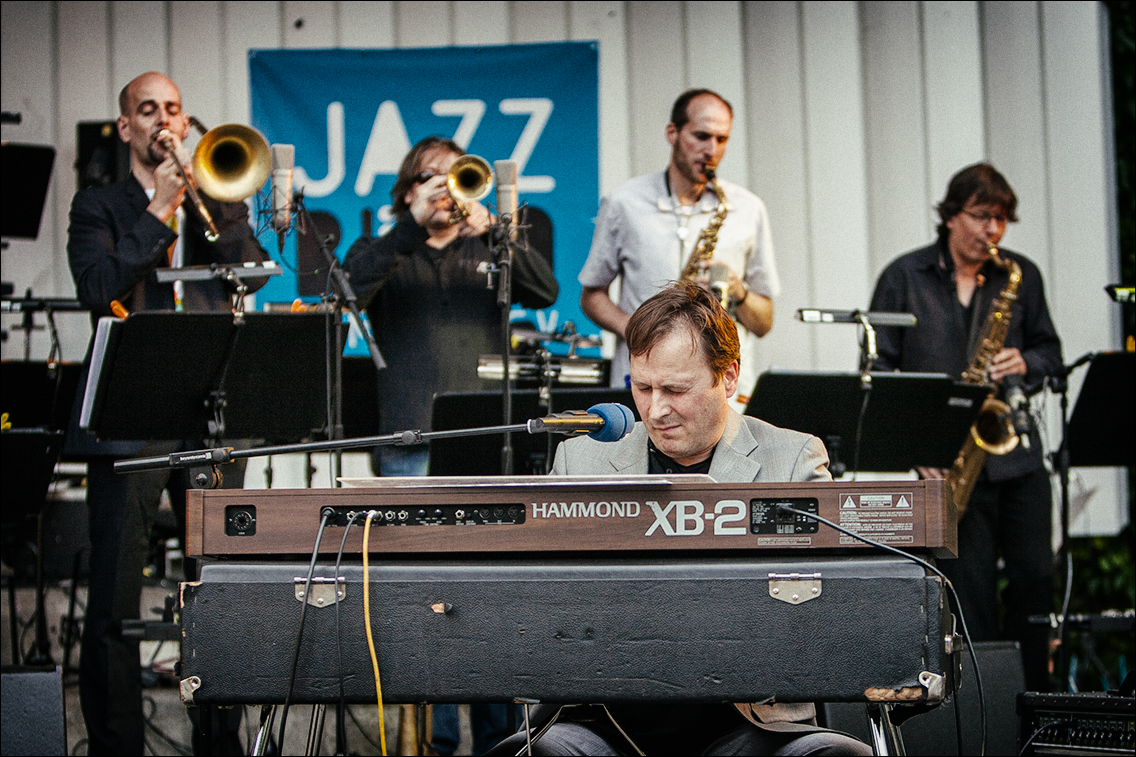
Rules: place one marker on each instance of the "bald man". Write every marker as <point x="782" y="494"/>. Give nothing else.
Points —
<point x="120" y="235"/>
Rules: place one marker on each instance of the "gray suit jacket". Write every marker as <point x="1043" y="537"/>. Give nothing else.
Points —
<point x="750" y="450"/>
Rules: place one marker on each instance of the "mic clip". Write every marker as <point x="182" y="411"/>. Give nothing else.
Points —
<point x="491" y="272"/>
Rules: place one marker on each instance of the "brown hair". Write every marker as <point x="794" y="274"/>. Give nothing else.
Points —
<point x="679" y="115"/>
<point x="684" y="303"/>
<point x="412" y="164"/>
<point x="981" y="183"/>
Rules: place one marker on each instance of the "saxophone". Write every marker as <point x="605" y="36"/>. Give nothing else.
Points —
<point x="992" y="432"/>
<point x="707" y="240"/>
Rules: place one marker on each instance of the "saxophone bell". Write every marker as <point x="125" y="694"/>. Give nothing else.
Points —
<point x="993" y="431"/>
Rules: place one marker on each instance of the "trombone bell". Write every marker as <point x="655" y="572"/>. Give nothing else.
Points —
<point x="232" y="162"/>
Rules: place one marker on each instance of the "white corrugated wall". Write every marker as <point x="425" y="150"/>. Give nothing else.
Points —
<point x="850" y="119"/>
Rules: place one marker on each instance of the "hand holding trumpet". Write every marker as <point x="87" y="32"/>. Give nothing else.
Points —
<point x="433" y="208"/>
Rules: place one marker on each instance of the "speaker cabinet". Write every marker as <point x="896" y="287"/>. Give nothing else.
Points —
<point x="32" y="711"/>
<point x="102" y="158"/>
<point x="933" y="733"/>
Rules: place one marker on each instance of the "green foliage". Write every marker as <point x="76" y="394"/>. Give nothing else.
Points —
<point x="1104" y="576"/>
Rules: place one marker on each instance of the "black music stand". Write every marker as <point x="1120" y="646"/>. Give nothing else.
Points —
<point x="460" y="457"/>
<point x="206" y="375"/>
<point x="27" y="175"/>
<point x="29" y="462"/>
<point x="910" y="419"/>
<point x="1101" y="428"/>
<point x="38" y="394"/>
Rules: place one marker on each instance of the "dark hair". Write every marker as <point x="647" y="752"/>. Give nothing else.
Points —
<point x="124" y="100"/>
<point x="679" y="115"/>
<point x="412" y="165"/>
<point x="981" y="183"/>
<point x="684" y="303"/>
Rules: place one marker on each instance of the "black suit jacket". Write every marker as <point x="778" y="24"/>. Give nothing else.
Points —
<point x="114" y="246"/>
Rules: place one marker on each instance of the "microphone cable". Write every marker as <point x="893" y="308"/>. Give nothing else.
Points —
<point x="327" y="512"/>
<point x="367" y="619"/>
<point x="784" y="507"/>
<point x="340" y="726"/>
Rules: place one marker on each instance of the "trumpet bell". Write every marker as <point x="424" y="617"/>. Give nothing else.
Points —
<point x="470" y="178"/>
<point x="232" y="162"/>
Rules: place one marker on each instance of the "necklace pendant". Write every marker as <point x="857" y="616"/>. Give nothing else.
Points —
<point x="681" y="231"/>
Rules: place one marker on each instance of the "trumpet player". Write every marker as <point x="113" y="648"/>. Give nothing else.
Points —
<point x="432" y="316"/>
<point x="649" y="232"/>
<point x="951" y="287"/>
<point x="119" y="235"/>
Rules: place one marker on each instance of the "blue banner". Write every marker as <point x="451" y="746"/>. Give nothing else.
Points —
<point x="354" y="114"/>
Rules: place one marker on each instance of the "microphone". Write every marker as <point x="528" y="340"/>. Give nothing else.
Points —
<point x="606" y="422"/>
<point x="820" y="315"/>
<point x="283" y="160"/>
<point x="506" y="171"/>
<point x="720" y="283"/>
<point x="1014" y="386"/>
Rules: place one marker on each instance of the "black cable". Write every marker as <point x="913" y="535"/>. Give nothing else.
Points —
<point x="300" y="627"/>
<point x="859" y="429"/>
<point x="362" y="732"/>
<point x="1062" y="634"/>
<point x="25" y="627"/>
<point x="1039" y="731"/>
<point x="149" y="720"/>
<point x="784" y="507"/>
<point x="340" y="726"/>
<point x="958" y="725"/>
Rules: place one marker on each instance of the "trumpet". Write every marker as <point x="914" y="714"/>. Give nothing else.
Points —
<point x="231" y="163"/>
<point x="469" y="179"/>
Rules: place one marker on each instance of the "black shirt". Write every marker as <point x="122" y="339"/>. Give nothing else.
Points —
<point x="432" y="314"/>
<point x="663" y="728"/>
<point x="922" y="283"/>
<point x="657" y="462"/>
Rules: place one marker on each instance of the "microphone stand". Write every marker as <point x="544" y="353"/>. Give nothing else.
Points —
<point x="500" y="273"/>
<point x="344" y="294"/>
<point x="1060" y="385"/>
<point x="219" y="455"/>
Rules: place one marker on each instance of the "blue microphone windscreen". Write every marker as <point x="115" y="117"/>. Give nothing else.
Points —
<point x="618" y="421"/>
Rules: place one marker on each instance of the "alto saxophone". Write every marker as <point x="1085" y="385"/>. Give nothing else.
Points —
<point x="707" y="240"/>
<point x="993" y="432"/>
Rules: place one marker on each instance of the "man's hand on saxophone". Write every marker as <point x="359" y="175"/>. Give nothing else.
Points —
<point x="1007" y="362"/>
<point x="751" y="310"/>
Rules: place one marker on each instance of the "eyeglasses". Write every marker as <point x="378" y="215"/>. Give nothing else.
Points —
<point x="985" y="218"/>
<point x="424" y="176"/>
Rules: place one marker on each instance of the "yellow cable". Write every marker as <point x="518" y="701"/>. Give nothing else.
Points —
<point x="367" y="620"/>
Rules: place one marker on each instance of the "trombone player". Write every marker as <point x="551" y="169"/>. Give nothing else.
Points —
<point x="118" y="236"/>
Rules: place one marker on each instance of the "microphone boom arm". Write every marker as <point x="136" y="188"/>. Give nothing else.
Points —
<point x="221" y="455"/>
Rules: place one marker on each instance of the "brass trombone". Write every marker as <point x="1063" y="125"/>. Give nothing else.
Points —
<point x="230" y="163"/>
